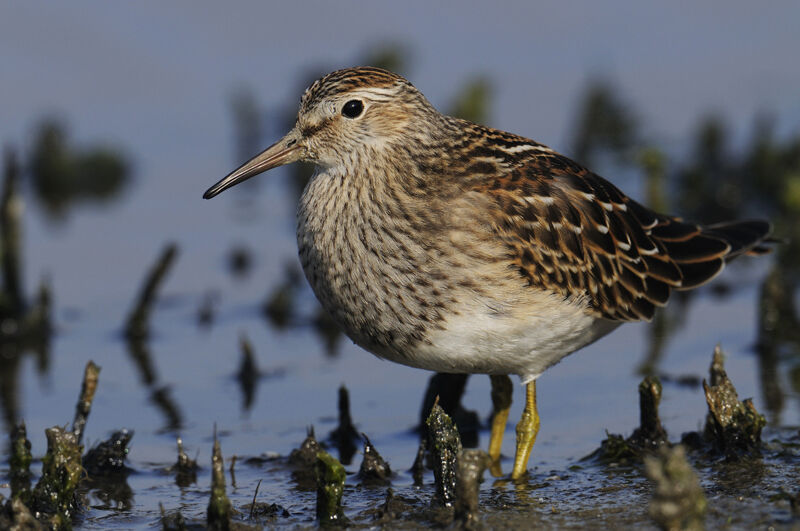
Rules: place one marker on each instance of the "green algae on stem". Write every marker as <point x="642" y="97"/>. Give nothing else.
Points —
<point x="303" y="461"/>
<point x="306" y="455"/>
<point x="53" y="500"/>
<point x="471" y="464"/>
<point x="185" y="468"/>
<point x="107" y="458"/>
<point x="447" y="390"/>
<point x="649" y="436"/>
<point x="732" y="426"/>
<point x="330" y="477"/>
<point x="54" y="494"/>
<point x="20" y="464"/>
<point x="444" y="445"/>
<point x="374" y="469"/>
<point x="219" y="506"/>
<point x="678" y="501"/>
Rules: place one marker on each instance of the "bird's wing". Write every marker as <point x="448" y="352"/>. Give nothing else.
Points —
<point x="569" y="231"/>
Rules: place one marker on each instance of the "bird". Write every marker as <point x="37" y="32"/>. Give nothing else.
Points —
<point x="450" y="246"/>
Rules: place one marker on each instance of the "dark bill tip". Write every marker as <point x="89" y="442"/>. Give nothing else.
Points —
<point x="278" y="154"/>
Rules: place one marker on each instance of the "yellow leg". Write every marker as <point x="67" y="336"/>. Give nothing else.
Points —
<point x="527" y="429"/>
<point x="501" y="402"/>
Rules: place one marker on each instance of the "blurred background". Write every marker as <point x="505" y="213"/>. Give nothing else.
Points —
<point x="114" y="121"/>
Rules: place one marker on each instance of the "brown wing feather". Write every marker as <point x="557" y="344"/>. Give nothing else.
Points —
<point x="574" y="233"/>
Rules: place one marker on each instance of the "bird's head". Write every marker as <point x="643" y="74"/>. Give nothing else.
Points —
<point x="345" y="116"/>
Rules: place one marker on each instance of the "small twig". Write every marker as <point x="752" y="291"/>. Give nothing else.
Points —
<point x="83" y="407"/>
<point x="219" y="506"/>
<point x="253" y="505"/>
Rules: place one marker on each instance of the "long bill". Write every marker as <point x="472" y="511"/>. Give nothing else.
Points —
<point x="285" y="151"/>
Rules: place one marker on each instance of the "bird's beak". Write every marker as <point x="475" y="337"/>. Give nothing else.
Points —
<point x="285" y="151"/>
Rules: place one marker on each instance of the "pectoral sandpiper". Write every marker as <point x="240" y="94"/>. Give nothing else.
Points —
<point x="445" y="245"/>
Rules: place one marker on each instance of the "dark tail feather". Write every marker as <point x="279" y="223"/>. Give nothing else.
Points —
<point x="703" y="256"/>
<point x="744" y="237"/>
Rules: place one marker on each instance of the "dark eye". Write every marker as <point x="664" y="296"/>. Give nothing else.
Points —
<point x="352" y="108"/>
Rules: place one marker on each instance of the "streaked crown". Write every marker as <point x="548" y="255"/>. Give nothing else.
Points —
<point x="384" y="108"/>
<point x="348" y="79"/>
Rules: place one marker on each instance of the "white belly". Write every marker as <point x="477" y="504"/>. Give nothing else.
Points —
<point x="522" y="341"/>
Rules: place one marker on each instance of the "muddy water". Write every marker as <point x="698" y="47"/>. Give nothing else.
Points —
<point x="184" y="383"/>
<point x="157" y="85"/>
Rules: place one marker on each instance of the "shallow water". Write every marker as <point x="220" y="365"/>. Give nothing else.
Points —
<point x="163" y="95"/>
<point x="589" y="393"/>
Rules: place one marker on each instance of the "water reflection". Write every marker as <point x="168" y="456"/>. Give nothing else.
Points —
<point x="778" y="339"/>
<point x="248" y="374"/>
<point x="62" y="174"/>
<point x="107" y="472"/>
<point x="160" y="395"/>
<point x="717" y="181"/>
<point x="280" y="306"/>
<point x="25" y="326"/>
<point x="137" y="333"/>
<point x="345" y="436"/>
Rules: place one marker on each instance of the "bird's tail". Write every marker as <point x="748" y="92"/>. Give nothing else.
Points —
<point x="701" y="252"/>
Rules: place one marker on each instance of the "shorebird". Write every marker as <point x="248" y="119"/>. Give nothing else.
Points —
<point x="446" y="245"/>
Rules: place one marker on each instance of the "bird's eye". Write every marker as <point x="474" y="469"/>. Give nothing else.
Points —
<point x="352" y="108"/>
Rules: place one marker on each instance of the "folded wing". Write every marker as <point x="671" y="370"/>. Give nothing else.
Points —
<point x="572" y="232"/>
